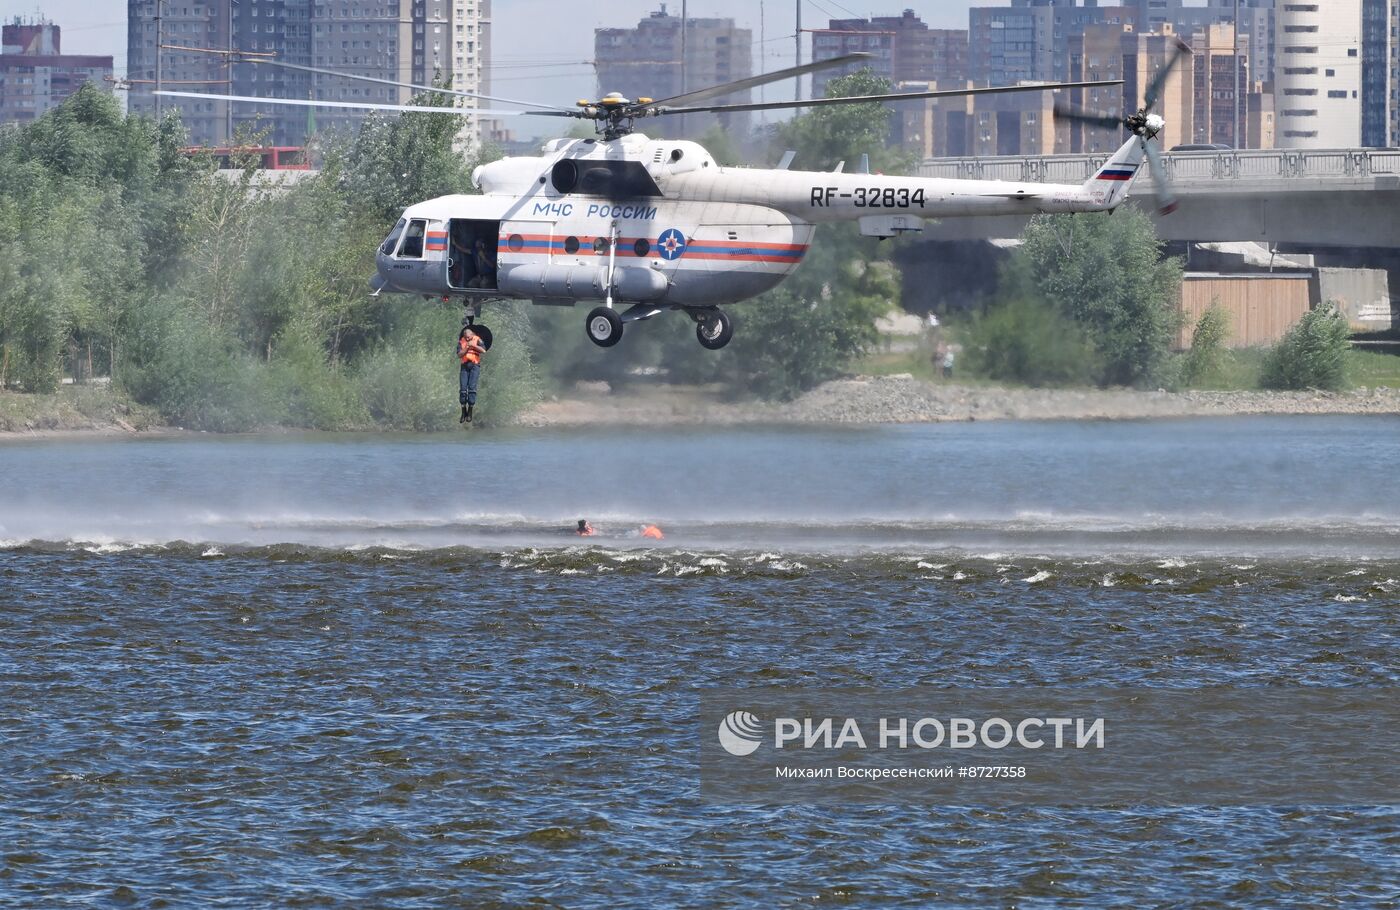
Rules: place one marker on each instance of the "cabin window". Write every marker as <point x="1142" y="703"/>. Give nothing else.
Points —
<point x="641" y="247"/>
<point x="387" y="247"/>
<point x="413" y="240"/>
<point x="600" y="245"/>
<point x="571" y="244"/>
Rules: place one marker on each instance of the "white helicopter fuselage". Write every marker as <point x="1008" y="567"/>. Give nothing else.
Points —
<point x="659" y="223"/>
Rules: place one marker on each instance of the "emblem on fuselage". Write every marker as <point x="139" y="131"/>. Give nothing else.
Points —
<point x="671" y="244"/>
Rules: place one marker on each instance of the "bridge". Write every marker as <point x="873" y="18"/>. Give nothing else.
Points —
<point x="1330" y="198"/>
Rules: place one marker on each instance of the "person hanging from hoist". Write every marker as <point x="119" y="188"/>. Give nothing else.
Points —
<point x="469" y="351"/>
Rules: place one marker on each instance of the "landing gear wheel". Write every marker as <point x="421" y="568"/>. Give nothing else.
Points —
<point x="713" y="330"/>
<point x="604" y="327"/>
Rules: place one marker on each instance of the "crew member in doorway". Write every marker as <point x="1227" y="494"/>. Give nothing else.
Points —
<point x="462" y="259"/>
<point x="485" y="268"/>
<point x="469" y="351"/>
<point x="584" y="528"/>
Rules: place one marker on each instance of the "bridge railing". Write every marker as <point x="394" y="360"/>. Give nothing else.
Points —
<point x="1185" y="166"/>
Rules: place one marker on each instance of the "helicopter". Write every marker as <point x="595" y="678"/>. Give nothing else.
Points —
<point x="656" y="225"/>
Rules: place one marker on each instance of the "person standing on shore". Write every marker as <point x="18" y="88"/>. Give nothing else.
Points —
<point x="469" y="351"/>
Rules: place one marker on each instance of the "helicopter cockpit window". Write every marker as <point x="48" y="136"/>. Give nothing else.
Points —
<point x="387" y="247"/>
<point x="413" y="240"/>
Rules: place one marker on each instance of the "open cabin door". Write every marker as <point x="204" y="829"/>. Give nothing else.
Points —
<point x="471" y="254"/>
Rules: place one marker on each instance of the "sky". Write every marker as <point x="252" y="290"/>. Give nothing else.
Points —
<point x="540" y="47"/>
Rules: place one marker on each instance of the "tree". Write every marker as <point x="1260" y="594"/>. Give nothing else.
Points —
<point x="1108" y="275"/>
<point x="395" y="162"/>
<point x="827" y="135"/>
<point x="806" y="330"/>
<point x="229" y="306"/>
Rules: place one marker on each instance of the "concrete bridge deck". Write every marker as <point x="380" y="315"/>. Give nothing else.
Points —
<point x="1338" y="197"/>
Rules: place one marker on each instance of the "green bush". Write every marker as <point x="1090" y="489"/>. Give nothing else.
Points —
<point x="409" y="388"/>
<point x="1030" y="342"/>
<point x="309" y="392"/>
<point x="1312" y="355"/>
<point x="1208" y="358"/>
<point x="190" y="373"/>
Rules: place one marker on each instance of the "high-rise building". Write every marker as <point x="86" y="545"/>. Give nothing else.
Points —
<point x="646" y="61"/>
<point x="904" y="49"/>
<point x="1257" y="26"/>
<point x="1220" y="66"/>
<point x="1012" y="44"/>
<point x="1096" y="55"/>
<point x="35" y="75"/>
<point x="1031" y="38"/>
<point x="1022" y="123"/>
<point x="408" y="41"/>
<point x="1262" y="120"/>
<point x="1377" y="77"/>
<point x="1395" y="74"/>
<point x="1319" y="74"/>
<point x="188" y="33"/>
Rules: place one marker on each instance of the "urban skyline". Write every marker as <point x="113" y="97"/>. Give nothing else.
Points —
<point x="519" y="71"/>
<point x="538" y="56"/>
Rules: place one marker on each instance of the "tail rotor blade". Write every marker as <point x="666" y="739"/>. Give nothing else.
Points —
<point x="1154" y="88"/>
<point x="1166" y="198"/>
<point x="1093" y="118"/>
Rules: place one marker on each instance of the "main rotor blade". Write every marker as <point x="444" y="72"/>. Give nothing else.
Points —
<point x="358" y="105"/>
<point x="421" y="88"/>
<point x="894" y="96"/>
<point x="1094" y="118"/>
<point x="1166" y="198"/>
<point x="1154" y="88"/>
<point x="729" y="88"/>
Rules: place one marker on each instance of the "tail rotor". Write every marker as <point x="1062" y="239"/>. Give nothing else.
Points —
<point x="1145" y="124"/>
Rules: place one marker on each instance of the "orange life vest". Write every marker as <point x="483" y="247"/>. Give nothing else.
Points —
<point x="653" y="532"/>
<point x="469" y="350"/>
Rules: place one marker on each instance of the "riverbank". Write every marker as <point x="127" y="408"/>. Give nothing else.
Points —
<point x="905" y="399"/>
<point x="85" y="411"/>
<point x="75" y="410"/>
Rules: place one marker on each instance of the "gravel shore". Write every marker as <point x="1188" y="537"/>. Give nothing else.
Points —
<point x="904" y="399"/>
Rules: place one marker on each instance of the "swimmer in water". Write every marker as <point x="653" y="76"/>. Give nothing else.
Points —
<point x="584" y="529"/>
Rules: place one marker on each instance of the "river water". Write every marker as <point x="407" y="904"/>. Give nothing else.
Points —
<point x="379" y="671"/>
